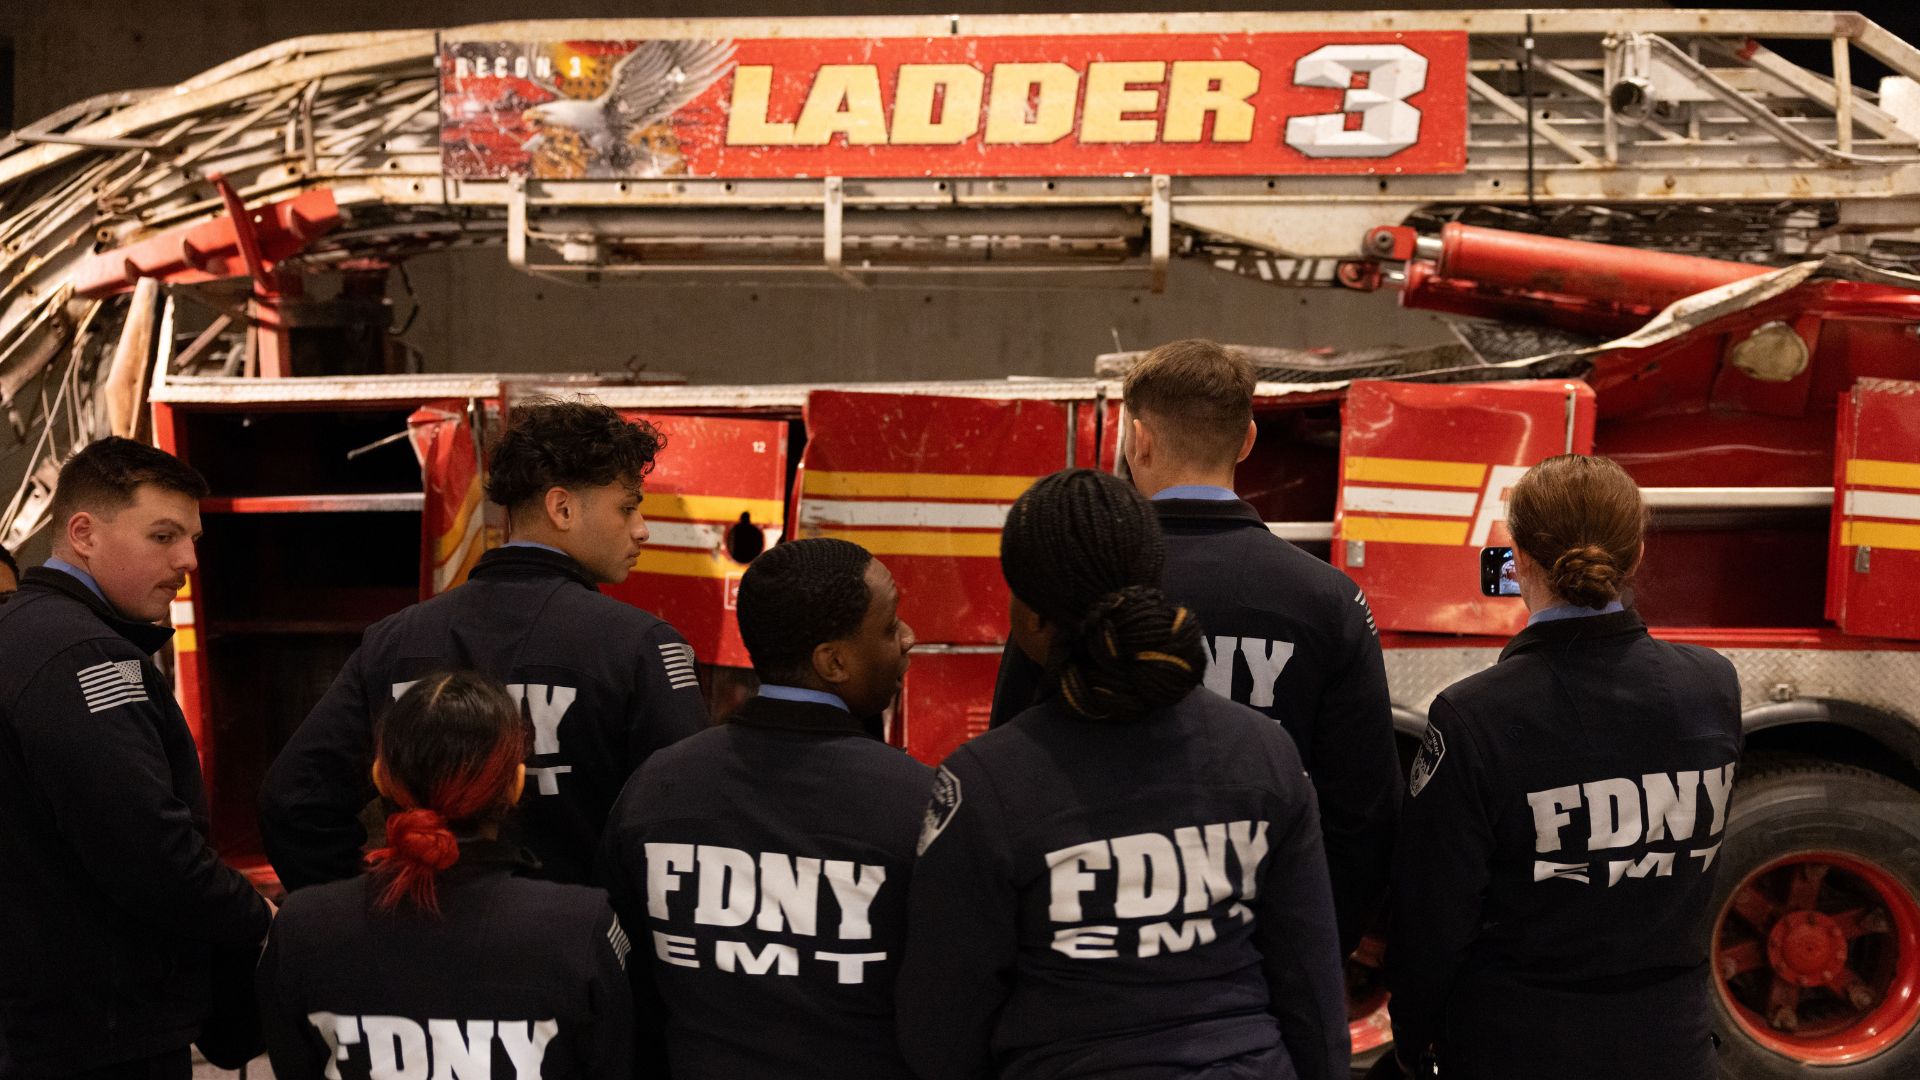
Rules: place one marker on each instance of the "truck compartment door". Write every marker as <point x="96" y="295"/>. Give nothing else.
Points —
<point x="453" y="526"/>
<point x="1873" y="570"/>
<point x="715" y="499"/>
<point x="1424" y="473"/>
<point x="925" y="483"/>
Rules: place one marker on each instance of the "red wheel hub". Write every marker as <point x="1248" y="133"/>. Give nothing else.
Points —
<point x="1368" y="1024"/>
<point x="1817" y="957"/>
<point x="1807" y="948"/>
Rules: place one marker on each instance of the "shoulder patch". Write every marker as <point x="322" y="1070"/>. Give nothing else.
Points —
<point x="677" y="658"/>
<point x="1432" y="749"/>
<point x="1360" y="597"/>
<point x="617" y="937"/>
<point x="940" y="808"/>
<point x="111" y="684"/>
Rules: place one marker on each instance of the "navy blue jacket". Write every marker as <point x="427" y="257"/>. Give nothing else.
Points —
<point x="604" y="685"/>
<point x="767" y="861"/>
<point x="113" y="900"/>
<point x="1144" y="900"/>
<point x="514" y="978"/>
<point x="1292" y="637"/>
<point x="1557" y="857"/>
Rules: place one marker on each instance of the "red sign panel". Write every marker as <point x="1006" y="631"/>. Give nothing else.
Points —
<point x="1873" y="579"/>
<point x="715" y="499"/>
<point x="925" y="484"/>
<point x="1056" y="105"/>
<point x="1424" y="474"/>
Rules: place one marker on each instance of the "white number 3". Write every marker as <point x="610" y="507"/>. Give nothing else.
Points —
<point x="1388" y="124"/>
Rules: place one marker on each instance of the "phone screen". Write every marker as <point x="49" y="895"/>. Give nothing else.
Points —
<point x="1496" y="572"/>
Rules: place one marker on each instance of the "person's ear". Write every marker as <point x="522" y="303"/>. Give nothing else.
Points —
<point x="380" y="782"/>
<point x="1246" y="444"/>
<point x="519" y="784"/>
<point x="560" y="507"/>
<point x="830" y="663"/>
<point x="83" y="534"/>
<point x="1139" y="448"/>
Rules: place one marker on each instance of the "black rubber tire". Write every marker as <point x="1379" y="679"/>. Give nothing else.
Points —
<point x="1793" y="804"/>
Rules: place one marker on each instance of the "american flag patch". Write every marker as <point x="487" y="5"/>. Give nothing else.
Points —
<point x="112" y="684"/>
<point x="678" y="658"/>
<point x="617" y="938"/>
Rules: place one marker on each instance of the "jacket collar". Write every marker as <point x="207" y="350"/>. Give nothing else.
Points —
<point x="1563" y="631"/>
<point x="512" y="562"/>
<point x="145" y="636"/>
<point x="1208" y="513"/>
<point x="806" y="717"/>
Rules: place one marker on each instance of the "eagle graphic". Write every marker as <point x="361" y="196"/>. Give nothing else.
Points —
<point x="620" y="131"/>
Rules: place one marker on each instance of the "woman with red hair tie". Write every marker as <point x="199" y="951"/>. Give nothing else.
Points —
<point x="442" y="960"/>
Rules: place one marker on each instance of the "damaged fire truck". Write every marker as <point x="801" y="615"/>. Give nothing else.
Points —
<point x="1665" y="241"/>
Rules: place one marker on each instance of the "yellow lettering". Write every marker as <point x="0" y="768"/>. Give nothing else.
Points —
<point x="845" y="100"/>
<point x="1051" y="87"/>
<point x="1220" y="87"/>
<point x="1110" y="95"/>
<point x="747" y="123"/>
<point x="913" y="122"/>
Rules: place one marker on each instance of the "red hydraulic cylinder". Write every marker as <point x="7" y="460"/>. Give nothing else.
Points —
<point x="1600" y="273"/>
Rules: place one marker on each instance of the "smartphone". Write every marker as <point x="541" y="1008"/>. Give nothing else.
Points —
<point x="1496" y="572"/>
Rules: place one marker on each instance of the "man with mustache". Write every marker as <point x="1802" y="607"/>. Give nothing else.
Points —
<point x="114" y="901"/>
<point x="602" y="683"/>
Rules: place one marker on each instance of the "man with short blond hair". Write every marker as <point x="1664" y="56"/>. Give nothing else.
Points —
<point x="1286" y="633"/>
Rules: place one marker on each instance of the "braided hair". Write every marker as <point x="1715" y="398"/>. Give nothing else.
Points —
<point x="1083" y="549"/>
<point x="447" y="753"/>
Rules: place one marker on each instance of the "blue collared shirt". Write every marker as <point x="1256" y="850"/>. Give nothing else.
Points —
<point x="1571" y="611"/>
<point x="534" y="544"/>
<point x="1207" y="492"/>
<point x="800" y="693"/>
<point x="82" y="576"/>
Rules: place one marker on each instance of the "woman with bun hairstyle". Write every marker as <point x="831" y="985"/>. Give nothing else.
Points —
<point x="1125" y="880"/>
<point x="442" y="961"/>
<point x="1557" y="849"/>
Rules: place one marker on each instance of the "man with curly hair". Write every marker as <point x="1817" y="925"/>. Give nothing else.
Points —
<point x="603" y="684"/>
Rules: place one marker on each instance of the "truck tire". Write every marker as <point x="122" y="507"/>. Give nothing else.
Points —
<point x="1816" y="932"/>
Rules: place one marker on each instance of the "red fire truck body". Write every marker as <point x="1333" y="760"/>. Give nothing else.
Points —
<point x="1771" y="416"/>
<point x="1785" y="491"/>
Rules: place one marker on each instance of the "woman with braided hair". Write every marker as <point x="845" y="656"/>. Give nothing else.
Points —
<point x="1127" y="879"/>
<point x="442" y="961"/>
<point x="1557" y="849"/>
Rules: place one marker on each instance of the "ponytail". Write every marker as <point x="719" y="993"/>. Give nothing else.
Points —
<point x="459" y="739"/>
<point x="1084" y="550"/>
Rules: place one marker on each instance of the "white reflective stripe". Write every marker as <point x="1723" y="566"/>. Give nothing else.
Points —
<point x="858" y="512"/>
<point x="1883" y="504"/>
<point x="180" y="613"/>
<point x="1388" y="500"/>
<point x="681" y="534"/>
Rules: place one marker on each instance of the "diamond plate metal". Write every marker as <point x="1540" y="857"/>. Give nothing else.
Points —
<point x="1886" y="680"/>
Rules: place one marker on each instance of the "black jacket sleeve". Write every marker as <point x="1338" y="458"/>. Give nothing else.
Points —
<point x="667" y="705"/>
<point x="624" y="871"/>
<point x="1017" y="688"/>
<point x="311" y="801"/>
<point x="106" y="779"/>
<point x="294" y="1048"/>
<point x="1441" y="868"/>
<point x="962" y="929"/>
<point x="1356" y="773"/>
<point x="1294" y="931"/>
<point x="611" y="1048"/>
